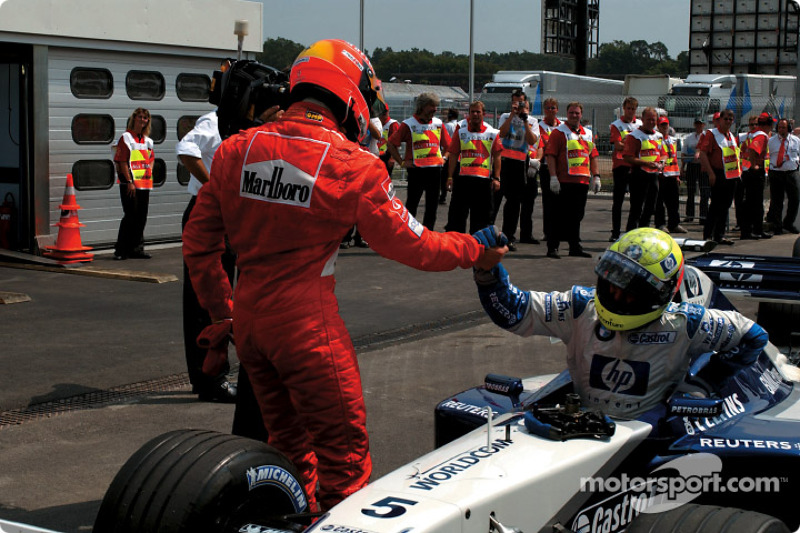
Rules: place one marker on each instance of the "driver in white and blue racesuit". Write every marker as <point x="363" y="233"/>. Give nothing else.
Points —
<point x="628" y="344"/>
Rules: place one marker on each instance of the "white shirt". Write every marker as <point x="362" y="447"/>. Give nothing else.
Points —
<point x="689" y="149"/>
<point x="202" y="142"/>
<point x="792" y="153"/>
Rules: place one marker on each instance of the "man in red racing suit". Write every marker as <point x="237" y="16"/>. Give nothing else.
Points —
<point x="285" y="193"/>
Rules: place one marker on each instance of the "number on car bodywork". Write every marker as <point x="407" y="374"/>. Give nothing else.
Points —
<point x="389" y="507"/>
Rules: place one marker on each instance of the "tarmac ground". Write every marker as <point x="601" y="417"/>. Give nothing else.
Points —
<point x="93" y="365"/>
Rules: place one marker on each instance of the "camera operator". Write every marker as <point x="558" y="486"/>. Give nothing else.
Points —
<point x="518" y="134"/>
<point x="285" y="193"/>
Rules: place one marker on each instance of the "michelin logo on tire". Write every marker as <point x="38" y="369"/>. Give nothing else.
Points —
<point x="278" y="477"/>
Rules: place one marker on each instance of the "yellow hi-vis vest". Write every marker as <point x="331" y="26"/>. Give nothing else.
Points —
<point x="385" y="136"/>
<point x="425" y="141"/>
<point x="579" y="148"/>
<point x="746" y="144"/>
<point x="476" y="150"/>
<point x="650" y="149"/>
<point x="624" y="128"/>
<point x="730" y="154"/>
<point x="140" y="160"/>
<point x="671" y="166"/>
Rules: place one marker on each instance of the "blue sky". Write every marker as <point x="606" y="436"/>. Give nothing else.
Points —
<point x="438" y="25"/>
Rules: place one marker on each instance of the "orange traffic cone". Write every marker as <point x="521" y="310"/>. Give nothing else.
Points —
<point x="68" y="248"/>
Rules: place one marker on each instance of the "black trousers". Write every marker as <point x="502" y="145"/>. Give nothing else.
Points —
<point x="472" y="197"/>
<point x="512" y="186"/>
<point x="667" y="203"/>
<point x="549" y="201"/>
<point x="783" y="186"/>
<point x="751" y="217"/>
<point x="722" y="193"/>
<point x="569" y="209"/>
<point x="130" y="238"/>
<point x="644" y="191"/>
<point x="195" y="318"/>
<point x="622" y="176"/>
<point x="696" y="180"/>
<point x="529" y="193"/>
<point x="424" y="179"/>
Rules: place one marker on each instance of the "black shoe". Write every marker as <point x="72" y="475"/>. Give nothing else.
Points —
<point x="553" y="254"/>
<point x="579" y="253"/>
<point x="791" y="229"/>
<point x="512" y="247"/>
<point x="614" y="237"/>
<point x="529" y="240"/>
<point x="344" y="245"/>
<point x="120" y="257"/>
<point x="442" y="201"/>
<point x="140" y="255"/>
<point x="763" y="235"/>
<point x="749" y="237"/>
<point x="362" y="244"/>
<point x="726" y="242"/>
<point x="224" y="392"/>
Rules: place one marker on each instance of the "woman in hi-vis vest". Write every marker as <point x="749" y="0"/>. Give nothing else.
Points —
<point x="134" y="162"/>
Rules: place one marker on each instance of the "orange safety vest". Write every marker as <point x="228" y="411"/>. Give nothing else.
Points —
<point x="730" y="154"/>
<point x="671" y="166"/>
<point x="425" y="142"/>
<point x="624" y="128"/>
<point x="476" y="150"/>
<point x="140" y="161"/>
<point x="578" y="151"/>
<point x="746" y="164"/>
<point x="650" y="149"/>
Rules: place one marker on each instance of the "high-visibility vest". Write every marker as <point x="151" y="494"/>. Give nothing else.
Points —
<point x="578" y="150"/>
<point x="730" y="154"/>
<point x="476" y="150"/>
<point x="545" y="130"/>
<point x="624" y="128"/>
<point x="746" y="145"/>
<point x="140" y="160"/>
<point x="382" y="142"/>
<point x="671" y="166"/>
<point x="425" y="142"/>
<point x="650" y="149"/>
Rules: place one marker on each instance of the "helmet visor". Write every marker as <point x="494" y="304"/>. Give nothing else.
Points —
<point x="627" y="288"/>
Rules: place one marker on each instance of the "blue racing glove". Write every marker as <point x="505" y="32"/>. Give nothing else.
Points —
<point x="490" y="237"/>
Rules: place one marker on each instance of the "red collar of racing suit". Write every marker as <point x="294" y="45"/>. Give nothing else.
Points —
<point x="311" y="113"/>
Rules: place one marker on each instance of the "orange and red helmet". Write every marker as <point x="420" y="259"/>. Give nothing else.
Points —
<point x="341" y="76"/>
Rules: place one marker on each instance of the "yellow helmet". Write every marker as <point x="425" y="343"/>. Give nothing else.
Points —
<point x="637" y="277"/>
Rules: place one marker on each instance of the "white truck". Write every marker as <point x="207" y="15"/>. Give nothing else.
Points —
<point x="702" y="95"/>
<point x="647" y="88"/>
<point x="599" y="96"/>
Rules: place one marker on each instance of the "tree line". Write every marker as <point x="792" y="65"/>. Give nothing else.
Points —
<point x="614" y="60"/>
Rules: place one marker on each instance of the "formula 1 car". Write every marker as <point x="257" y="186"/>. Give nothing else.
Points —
<point x="513" y="455"/>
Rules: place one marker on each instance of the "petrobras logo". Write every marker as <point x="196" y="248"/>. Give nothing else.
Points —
<point x="619" y="376"/>
<point x="652" y="337"/>
<point x="278" y="477"/>
<point x="277" y="182"/>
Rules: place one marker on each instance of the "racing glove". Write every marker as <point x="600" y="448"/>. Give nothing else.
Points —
<point x="490" y="237"/>
<point x="555" y="186"/>
<point x="505" y="304"/>
<point x="214" y="339"/>
<point x="746" y="352"/>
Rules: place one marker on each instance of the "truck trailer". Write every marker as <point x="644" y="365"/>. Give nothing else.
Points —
<point x="702" y="95"/>
<point x="599" y="96"/>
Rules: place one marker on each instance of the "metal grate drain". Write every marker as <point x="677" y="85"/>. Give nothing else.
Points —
<point x="93" y="400"/>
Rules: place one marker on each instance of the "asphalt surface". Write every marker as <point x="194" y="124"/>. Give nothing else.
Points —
<point x="92" y="366"/>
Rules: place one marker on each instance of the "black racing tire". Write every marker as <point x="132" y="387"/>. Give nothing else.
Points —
<point x="197" y="480"/>
<point x="691" y="518"/>
<point x="796" y="248"/>
<point x="779" y="319"/>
